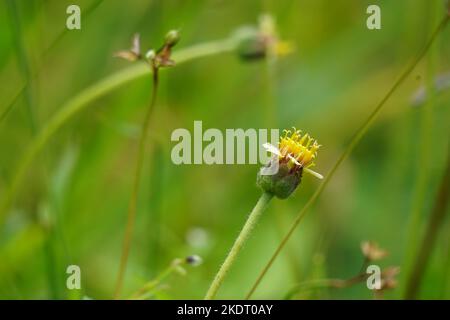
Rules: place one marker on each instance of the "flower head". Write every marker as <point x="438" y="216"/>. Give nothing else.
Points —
<point x="263" y="41"/>
<point x="295" y="153"/>
<point x="298" y="151"/>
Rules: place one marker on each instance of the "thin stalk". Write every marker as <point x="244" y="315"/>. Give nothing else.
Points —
<point x="82" y="101"/>
<point x="326" y="283"/>
<point x="426" y="249"/>
<point x="151" y="285"/>
<point x="23" y="63"/>
<point x="136" y="182"/>
<point x="421" y="178"/>
<point x="238" y="244"/>
<point x="445" y="286"/>
<point x="50" y="260"/>
<point x="354" y="141"/>
<point x="156" y="198"/>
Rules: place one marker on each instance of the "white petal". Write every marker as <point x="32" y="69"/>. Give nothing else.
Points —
<point x="315" y="174"/>
<point x="271" y="148"/>
<point x="293" y="159"/>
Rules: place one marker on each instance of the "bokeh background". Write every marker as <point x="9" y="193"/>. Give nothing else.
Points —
<point x="71" y="207"/>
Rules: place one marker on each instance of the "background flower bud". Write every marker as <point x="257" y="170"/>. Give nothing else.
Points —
<point x="172" y="38"/>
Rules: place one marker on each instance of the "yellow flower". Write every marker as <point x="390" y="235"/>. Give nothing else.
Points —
<point x="297" y="150"/>
<point x="294" y="155"/>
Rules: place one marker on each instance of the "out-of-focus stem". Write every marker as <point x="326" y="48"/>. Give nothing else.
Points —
<point x="436" y="221"/>
<point x="326" y="283"/>
<point x="131" y="217"/>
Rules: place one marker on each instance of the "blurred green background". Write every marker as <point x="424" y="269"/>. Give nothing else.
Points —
<point x="71" y="207"/>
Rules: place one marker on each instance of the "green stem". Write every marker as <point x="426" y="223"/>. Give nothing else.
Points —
<point x="437" y="219"/>
<point x="326" y="283"/>
<point x="24" y="63"/>
<point x="95" y="91"/>
<point x="355" y="140"/>
<point x="136" y="182"/>
<point x="421" y="177"/>
<point x="151" y="285"/>
<point x="238" y="244"/>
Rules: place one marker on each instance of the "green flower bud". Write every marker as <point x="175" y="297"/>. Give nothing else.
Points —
<point x="172" y="38"/>
<point x="281" y="184"/>
<point x="252" y="49"/>
<point x="150" y="55"/>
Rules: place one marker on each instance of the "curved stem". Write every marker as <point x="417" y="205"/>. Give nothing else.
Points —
<point x="326" y="283"/>
<point x="82" y="100"/>
<point x="238" y="244"/>
<point x="131" y="217"/>
<point x="354" y="141"/>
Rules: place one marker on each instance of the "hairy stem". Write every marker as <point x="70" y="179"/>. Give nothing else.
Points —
<point x="131" y="217"/>
<point x="354" y="141"/>
<point x="238" y="244"/>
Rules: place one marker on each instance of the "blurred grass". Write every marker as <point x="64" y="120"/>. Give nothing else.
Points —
<point x="326" y="87"/>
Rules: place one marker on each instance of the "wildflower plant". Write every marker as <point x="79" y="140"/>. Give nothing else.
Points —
<point x="295" y="153"/>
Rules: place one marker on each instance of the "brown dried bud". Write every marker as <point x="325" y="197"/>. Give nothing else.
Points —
<point x="134" y="53"/>
<point x="388" y="280"/>
<point x="372" y="251"/>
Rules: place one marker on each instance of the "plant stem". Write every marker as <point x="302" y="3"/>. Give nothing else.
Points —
<point x="238" y="244"/>
<point x="151" y="285"/>
<point x="354" y="141"/>
<point x="436" y="221"/>
<point x="420" y="174"/>
<point x="136" y="182"/>
<point x="24" y="63"/>
<point x="326" y="283"/>
<point x="95" y="91"/>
